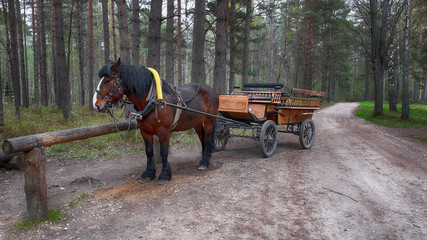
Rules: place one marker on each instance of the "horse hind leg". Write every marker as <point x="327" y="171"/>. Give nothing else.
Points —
<point x="206" y="138"/>
<point x="204" y="162"/>
<point x="166" y="173"/>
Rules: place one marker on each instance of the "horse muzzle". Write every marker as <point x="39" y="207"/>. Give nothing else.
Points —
<point x="103" y="108"/>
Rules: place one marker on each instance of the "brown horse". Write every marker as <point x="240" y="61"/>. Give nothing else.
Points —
<point x="155" y="117"/>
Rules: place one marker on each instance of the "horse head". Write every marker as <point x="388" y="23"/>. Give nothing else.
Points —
<point x="110" y="88"/>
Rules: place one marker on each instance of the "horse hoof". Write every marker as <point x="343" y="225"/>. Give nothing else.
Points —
<point x="202" y="168"/>
<point x="162" y="181"/>
<point x="144" y="180"/>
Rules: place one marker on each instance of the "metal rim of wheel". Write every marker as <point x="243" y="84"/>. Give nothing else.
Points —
<point x="220" y="138"/>
<point x="268" y="138"/>
<point x="307" y="133"/>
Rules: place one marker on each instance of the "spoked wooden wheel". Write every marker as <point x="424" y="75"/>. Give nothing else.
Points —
<point x="307" y="133"/>
<point x="221" y="137"/>
<point x="268" y="139"/>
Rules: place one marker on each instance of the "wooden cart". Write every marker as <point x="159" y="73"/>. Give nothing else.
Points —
<point x="262" y="111"/>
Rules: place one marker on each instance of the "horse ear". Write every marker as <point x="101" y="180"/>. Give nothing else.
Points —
<point x="115" y="67"/>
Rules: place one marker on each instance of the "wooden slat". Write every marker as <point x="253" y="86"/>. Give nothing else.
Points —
<point x="307" y="92"/>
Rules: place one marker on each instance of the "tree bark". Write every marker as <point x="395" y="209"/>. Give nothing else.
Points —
<point x="56" y="81"/>
<point x="113" y="22"/>
<point x="232" y="66"/>
<point x="135" y="33"/>
<point x="405" y="81"/>
<point x="35" y="183"/>
<point x="198" y="74"/>
<point x="179" y="45"/>
<point x="247" y="36"/>
<point x="308" y="71"/>
<point x="62" y="75"/>
<point x="81" y="53"/>
<point x="25" y="92"/>
<point x="41" y="34"/>
<point x="124" y="31"/>
<point x="14" y="62"/>
<point x="91" y="54"/>
<point x="154" y="33"/>
<point x="170" y="77"/>
<point x="36" y="57"/>
<point x="106" y="31"/>
<point x="220" y="77"/>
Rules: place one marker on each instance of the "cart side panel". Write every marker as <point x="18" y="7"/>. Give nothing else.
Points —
<point x="286" y="116"/>
<point x="236" y="104"/>
<point x="258" y="110"/>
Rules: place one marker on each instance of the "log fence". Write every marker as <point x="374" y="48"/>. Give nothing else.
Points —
<point x="34" y="162"/>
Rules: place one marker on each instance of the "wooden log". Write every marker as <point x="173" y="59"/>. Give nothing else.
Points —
<point x="308" y="92"/>
<point x="26" y="143"/>
<point x="6" y="157"/>
<point x="35" y="183"/>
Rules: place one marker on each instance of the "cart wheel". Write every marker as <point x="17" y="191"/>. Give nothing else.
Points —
<point x="221" y="138"/>
<point x="268" y="139"/>
<point x="307" y="133"/>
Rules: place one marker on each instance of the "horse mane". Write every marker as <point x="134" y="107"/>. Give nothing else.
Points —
<point x="136" y="80"/>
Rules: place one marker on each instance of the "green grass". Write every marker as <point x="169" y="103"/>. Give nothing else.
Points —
<point x="53" y="215"/>
<point x="38" y="119"/>
<point x="418" y="116"/>
<point x="77" y="199"/>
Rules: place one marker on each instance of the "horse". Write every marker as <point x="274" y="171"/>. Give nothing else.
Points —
<point x="119" y="80"/>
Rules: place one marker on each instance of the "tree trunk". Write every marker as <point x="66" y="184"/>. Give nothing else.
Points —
<point x="367" y="82"/>
<point x="91" y="54"/>
<point x="36" y="51"/>
<point x="1" y="95"/>
<point x="198" y="74"/>
<point x="56" y="81"/>
<point x="425" y="83"/>
<point x="245" y="59"/>
<point x="220" y="77"/>
<point x="135" y="33"/>
<point x="296" y="53"/>
<point x="14" y="62"/>
<point x="154" y="33"/>
<point x="232" y="66"/>
<point x="392" y="85"/>
<point x="113" y="23"/>
<point x="308" y="71"/>
<point x="41" y="34"/>
<point x="179" y="45"/>
<point x="63" y="80"/>
<point x="81" y="53"/>
<point x="169" y="42"/>
<point x="124" y="31"/>
<point x="24" y="93"/>
<point x="405" y="81"/>
<point x="106" y="30"/>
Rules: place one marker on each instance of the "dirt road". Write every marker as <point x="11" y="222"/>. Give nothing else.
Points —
<point x="358" y="181"/>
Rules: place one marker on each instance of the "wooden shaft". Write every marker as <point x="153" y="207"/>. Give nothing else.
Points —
<point x="26" y="143"/>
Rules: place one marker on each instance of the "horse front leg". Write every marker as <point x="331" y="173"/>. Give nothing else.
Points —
<point x="150" y="171"/>
<point x="166" y="174"/>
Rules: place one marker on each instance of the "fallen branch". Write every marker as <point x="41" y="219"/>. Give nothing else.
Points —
<point x="340" y="194"/>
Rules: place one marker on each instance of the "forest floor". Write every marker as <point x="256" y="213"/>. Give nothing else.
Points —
<point x="358" y="181"/>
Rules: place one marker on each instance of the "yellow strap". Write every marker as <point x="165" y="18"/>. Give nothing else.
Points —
<point x="158" y="83"/>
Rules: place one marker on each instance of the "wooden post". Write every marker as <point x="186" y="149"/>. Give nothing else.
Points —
<point x="35" y="183"/>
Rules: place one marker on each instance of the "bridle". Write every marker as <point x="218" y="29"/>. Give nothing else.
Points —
<point x="114" y="89"/>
